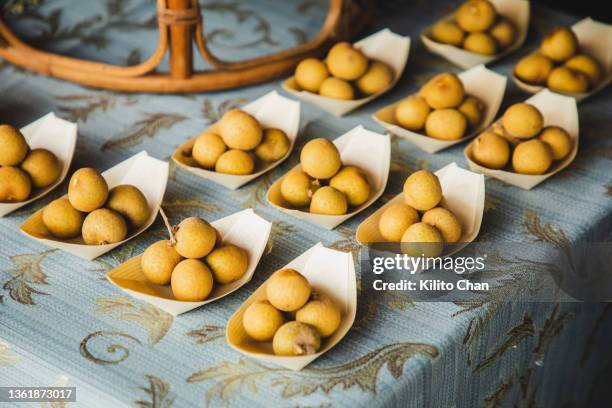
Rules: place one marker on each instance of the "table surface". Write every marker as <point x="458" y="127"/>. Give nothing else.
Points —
<point x="61" y="322"/>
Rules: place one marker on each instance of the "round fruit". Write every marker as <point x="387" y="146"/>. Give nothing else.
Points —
<point x="42" y="166"/>
<point x="563" y="79"/>
<point x="228" y="263"/>
<point x="15" y="185"/>
<point x="274" y="146"/>
<point x="560" y="44"/>
<point x="443" y="91"/>
<point x="395" y="220"/>
<point x="446" y="124"/>
<point x="296" y="339"/>
<point x="346" y="62"/>
<point x="191" y="281"/>
<point x="321" y="313"/>
<point x="447" y="32"/>
<point x="329" y="201"/>
<point x="297" y="188"/>
<point x="239" y="130"/>
<point x="558" y="140"/>
<point x="129" y="201"/>
<point x="476" y="15"/>
<point x="336" y="88"/>
<point x="195" y="238"/>
<point x="445" y="222"/>
<point x="288" y="290"/>
<point x="207" y="149"/>
<point x="378" y="77"/>
<point x="473" y="110"/>
<point x="158" y="262"/>
<point x="411" y="113"/>
<point x="421" y="239"/>
<point x="532" y="157"/>
<point x="103" y="226"/>
<point x="491" y="150"/>
<point x="261" y="320"/>
<point x="320" y="159"/>
<point x="310" y="74"/>
<point x="62" y="219"/>
<point x="503" y="33"/>
<point x="13" y="146"/>
<point x="587" y="65"/>
<point x="87" y="190"/>
<point x="481" y="43"/>
<point x="236" y="162"/>
<point x="522" y="120"/>
<point x="534" y="69"/>
<point x="422" y="190"/>
<point x="353" y="183"/>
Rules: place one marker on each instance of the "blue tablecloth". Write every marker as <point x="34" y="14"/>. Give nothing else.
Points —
<point x="62" y="323"/>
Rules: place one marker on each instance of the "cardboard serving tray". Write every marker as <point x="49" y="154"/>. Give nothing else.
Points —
<point x="147" y="173"/>
<point x="59" y="137"/>
<point x="478" y="81"/>
<point x="385" y="46"/>
<point x="463" y="194"/>
<point x="517" y="11"/>
<point x="272" y="111"/>
<point x="595" y="39"/>
<point x="244" y="229"/>
<point x="360" y="147"/>
<point x="330" y="272"/>
<point x="558" y="110"/>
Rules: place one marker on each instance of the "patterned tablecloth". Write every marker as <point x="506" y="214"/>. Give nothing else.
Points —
<point x="61" y="322"/>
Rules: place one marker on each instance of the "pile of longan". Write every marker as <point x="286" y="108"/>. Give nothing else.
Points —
<point x="293" y="317"/>
<point x="477" y="28"/>
<point x="237" y="143"/>
<point x="193" y="260"/>
<point x="442" y="108"/>
<point x="100" y="216"/>
<point x="560" y="65"/>
<point x="22" y="169"/>
<point x="323" y="184"/>
<point x="534" y="148"/>
<point x="421" y="218"/>
<point x="346" y="73"/>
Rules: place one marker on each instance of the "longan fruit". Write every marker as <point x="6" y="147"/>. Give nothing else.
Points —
<point x="261" y="320"/>
<point x="503" y="32"/>
<point x="446" y="124"/>
<point x="236" y="162"/>
<point x="158" y="261"/>
<point x="191" y="281"/>
<point x="422" y="239"/>
<point x="13" y="146"/>
<point x="320" y="158"/>
<point x="522" y="120"/>
<point x="558" y="140"/>
<point x="346" y="62"/>
<point x="395" y="220"/>
<point x="445" y="222"/>
<point x="207" y="149"/>
<point x="329" y="201"/>
<point x="87" y="190"/>
<point x="103" y="226"/>
<point x="447" y="32"/>
<point x="42" y="166"/>
<point x="288" y="290"/>
<point x="422" y="190"/>
<point x="274" y="146"/>
<point x="131" y="203"/>
<point x="481" y="43"/>
<point x="62" y="219"/>
<point x="296" y="339"/>
<point x="491" y="150"/>
<point x="240" y="130"/>
<point x="411" y="113"/>
<point x="532" y="157"/>
<point x="321" y="313"/>
<point x="336" y="88"/>
<point x="476" y="15"/>
<point x="563" y="79"/>
<point x="297" y="188"/>
<point x="587" y="65"/>
<point x="473" y="110"/>
<point x="378" y="77"/>
<point x="560" y="44"/>
<point x="228" y="263"/>
<point x="443" y="91"/>
<point x="310" y="74"/>
<point x="353" y="183"/>
<point x="195" y="238"/>
<point x="15" y="185"/>
<point x="534" y="69"/>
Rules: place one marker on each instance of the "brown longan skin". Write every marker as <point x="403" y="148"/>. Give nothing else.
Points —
<point x="504" y="33"/>
<point x="473" y="110"/>
<point x="443" y="91"/>
<point x="240" y="130"/>
<point x="328" y="201"/>
<point x="411" y="113"/>
<point x="42" y="166"/>
<point x="15" y="185"/>
<point x="346" y="62"/>
<point x="191" y="281"/>
<point x="288" y="290"/>
<point x="422" y="239"/>
<point x="228" y="263"/>
<point x="422" y="190"/>
<point x="377" y="78"/>
<point x="195" y="238"/>
<point x="207" y="149"/>
<point x="320" y="159"/>
<point x="587" y="65"/>
<point x="158" y="261"/>
<point x="446" y="124"/>
<point x="447" y="32"/>
<point x="563" y="79"/>
<point x="445" y="222"/>
<point x="534" y="69"/>
<point x="522" y="120"/>
<point x="336" y="88"/>
<point x="235" y="162"/>
<point x="560" y="44"/>
<point x="274" y="146"/>
<point x="87" y="190"/>
<point x="131" y="203"/>
<point x="13" y="146"/>
<point x="62" y="220"/>
<point x="103" y="226"/>
<point x="395" y="220"/>
<point x="310" y="74"/>
<point x="532" y="157"/>
<point x="353" y="183"/>
<point x="476" y="15"/>
<point x="558" y="140"/>
<point x="297" y="188"/>
<point x="491" y="150"/>
<point x="481" y="43"/>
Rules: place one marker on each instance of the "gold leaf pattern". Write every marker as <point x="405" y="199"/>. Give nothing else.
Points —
<point x="495" y="399"/>
<point x="121" y="351"/>
<point x="147" y="127"/>
<point x="26" y="273"/>
<point x="7" y="357"/>
<point x="186" y="204"/>
<point x="158" y="391"/>
<point x="280" y="230"/>
<point x="586" y="353"/>
<point x="154" y="320"/>
<point x="544" y="232"/>
<point x="207" y="333"/>
<point x="88" y="104"/>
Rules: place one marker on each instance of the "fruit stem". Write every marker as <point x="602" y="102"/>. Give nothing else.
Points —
<point x="168" y="226"/>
